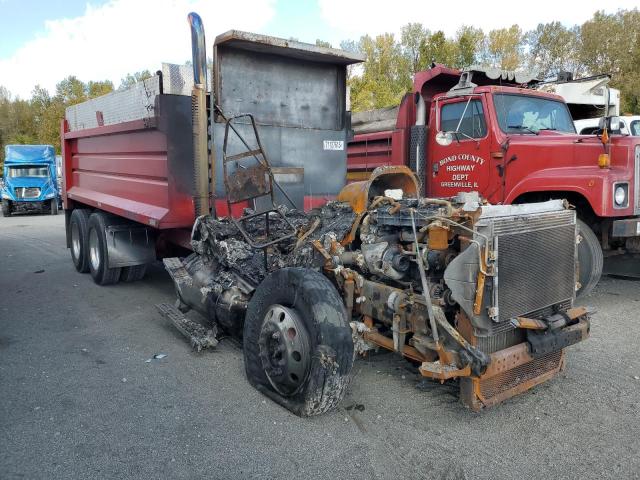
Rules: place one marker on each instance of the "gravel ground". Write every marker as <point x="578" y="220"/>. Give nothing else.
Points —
<point x="79" y="399"/>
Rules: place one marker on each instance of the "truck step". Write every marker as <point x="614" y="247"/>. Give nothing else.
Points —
<point x="199" y="337"/>
<point x="178" y="273"/>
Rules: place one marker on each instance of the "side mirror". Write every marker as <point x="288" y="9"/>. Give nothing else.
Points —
<point x="610" y="123"/>
<point x="444" y="138"/>
<point x="614" y="124"/>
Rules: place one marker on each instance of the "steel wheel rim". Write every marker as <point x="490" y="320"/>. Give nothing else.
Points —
<point x="94" y="250"/>
<point x="75" y="240"/>
<point x="284" y="349"/>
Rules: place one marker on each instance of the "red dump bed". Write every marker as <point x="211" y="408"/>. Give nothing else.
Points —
<point x="141" y="169"/>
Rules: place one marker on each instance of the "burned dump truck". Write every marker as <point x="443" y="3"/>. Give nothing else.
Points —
<point x="252" y="218"/>
<point x="469" y="291"/>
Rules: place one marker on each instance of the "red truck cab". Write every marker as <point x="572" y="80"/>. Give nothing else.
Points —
<point x="514" y="144"/>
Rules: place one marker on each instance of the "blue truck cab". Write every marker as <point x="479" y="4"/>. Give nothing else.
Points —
<point x="30" y="179"/>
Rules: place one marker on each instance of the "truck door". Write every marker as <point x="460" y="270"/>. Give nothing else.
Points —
<point x="464" y="164"/>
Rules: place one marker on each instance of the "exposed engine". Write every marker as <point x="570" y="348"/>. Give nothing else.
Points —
<point x="418" y="276"/>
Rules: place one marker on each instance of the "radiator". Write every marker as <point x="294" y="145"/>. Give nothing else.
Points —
<point x="536" y="263"/>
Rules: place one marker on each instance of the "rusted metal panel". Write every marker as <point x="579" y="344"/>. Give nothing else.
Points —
<point x="247" y="183"/>
<point x="297" y="94"/>
<point x="360" y="194"/>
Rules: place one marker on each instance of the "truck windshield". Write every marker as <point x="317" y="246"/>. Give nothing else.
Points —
<point x="528" y="114"/>
<point x="28" y="171"/>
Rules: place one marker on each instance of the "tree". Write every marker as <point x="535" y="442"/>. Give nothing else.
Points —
<point x="554" y="48"/>
<point x="436" y="47"/>
<point x="99" y="88"/>
<point x="322" y="43"/>
<point x="385" y="74"/>
<point x="469" y="41"/>
<point x="504" y="49"/>
<point x="71" y="90"/>
<point x="131" y="79"/>
<point x="411" y="39"/>
<point x="610" y="45"/>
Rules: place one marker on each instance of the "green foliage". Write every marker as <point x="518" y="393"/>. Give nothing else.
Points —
<point x="610" y="44"/>
<point x="97" y="89"/>
<point x="37" y="120"/>
<point x="505" y="48"/>
<point x="437" y="48"/>
<point x="607" y="43"/>
<point x="411" y="39"/>
<point x="554" y="48"/>
<point x="132" y="78"/>
<point x="385" y="77"/>
<point x="469" y="41"/>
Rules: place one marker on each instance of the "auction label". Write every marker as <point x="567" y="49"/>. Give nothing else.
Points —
<point x="333" y="145"/>
<point x="460" y="171"/>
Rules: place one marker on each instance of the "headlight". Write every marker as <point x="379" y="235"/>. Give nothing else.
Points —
<point x="621" y="195"/>
<point x="6" y="195"/>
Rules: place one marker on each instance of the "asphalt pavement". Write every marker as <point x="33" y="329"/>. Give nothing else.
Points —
<point x="82" y="396"/>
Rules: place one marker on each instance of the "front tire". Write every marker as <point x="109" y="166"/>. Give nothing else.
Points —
<point x="297" y="341"/>
<point x="6" y="208"/>
<point x="54" y="206"/>
<point x="590" y="260"/>
<point x="98" y="254"/>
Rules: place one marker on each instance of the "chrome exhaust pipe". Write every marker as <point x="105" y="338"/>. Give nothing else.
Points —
<point x="202" y="183"/>
<point x="198" y="50"/>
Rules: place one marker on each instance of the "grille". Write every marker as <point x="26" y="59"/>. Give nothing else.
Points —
<point x="27" y="192"/>
<point x="536" y="269"/>
<point x="515" y="377"/>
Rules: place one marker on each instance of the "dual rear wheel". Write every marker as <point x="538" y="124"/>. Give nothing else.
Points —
<point x="88" y="233"/>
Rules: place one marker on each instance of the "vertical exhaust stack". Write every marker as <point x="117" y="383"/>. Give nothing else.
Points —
<point x="199" y="112"/>
<point x="417" y="152"/>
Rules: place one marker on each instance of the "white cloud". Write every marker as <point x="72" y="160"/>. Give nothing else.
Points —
<point x="358" y="17"/>
<point x="123" y="36"/>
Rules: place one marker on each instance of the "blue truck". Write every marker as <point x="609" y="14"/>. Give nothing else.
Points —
<point x="30" y="179"/>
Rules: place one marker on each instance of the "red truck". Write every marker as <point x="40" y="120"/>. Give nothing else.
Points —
<point x="466" y="131"/>
<point x="205" y="180"/>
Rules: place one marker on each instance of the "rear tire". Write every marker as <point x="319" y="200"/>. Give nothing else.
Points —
<point x="133" y="273"/>
<point x="297" y="341"/>
<point x="6" y="208"/>
<point x="97" y="251"/>
<point x="78" y="230"/>
<point x="590" y="259"/>
<point x="54" y="206"/>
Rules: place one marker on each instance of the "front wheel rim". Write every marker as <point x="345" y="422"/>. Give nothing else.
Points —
<point x="284" y="349"/>
<point x="94" y="249"/>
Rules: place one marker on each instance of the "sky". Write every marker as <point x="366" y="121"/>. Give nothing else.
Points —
<point x="44" y="41"/>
